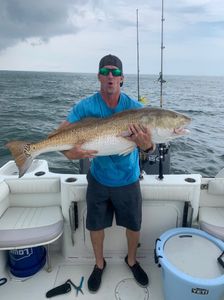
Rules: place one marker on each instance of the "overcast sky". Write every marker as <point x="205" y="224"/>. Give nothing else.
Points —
<point x="72" y="35"/>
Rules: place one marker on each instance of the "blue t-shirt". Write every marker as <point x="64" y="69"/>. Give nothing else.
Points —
<point x="113" y="170"/>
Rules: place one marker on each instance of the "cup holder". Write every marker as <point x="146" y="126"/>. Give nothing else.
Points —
<point x="190" y="180"/>
<point x="40" y="173"/>
<point x="70" y="179"/>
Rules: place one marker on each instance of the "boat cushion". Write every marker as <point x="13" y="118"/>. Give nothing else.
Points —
<point x="211" y="220"/>
<point x="216" y="186"/>
<point x="30" y="185"/>
<point x="30" y="226"/>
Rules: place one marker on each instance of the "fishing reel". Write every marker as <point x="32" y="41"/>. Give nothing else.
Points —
<point x="160" y="153"/>
<point x="157" y="162"/>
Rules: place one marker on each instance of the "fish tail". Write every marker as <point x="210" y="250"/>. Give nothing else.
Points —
<point x="21" y="154"/>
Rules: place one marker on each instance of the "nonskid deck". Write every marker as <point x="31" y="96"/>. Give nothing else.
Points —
<point x="117" y="282"/>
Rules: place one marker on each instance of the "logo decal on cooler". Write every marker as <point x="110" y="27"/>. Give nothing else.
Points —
<point x="199" y="291"/>
<point x="19" y="254"/>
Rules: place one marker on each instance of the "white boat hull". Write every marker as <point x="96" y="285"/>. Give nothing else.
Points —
<point x="164" y="202"/>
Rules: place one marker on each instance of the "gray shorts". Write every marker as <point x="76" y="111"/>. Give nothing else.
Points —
<point x="103" y="202"/>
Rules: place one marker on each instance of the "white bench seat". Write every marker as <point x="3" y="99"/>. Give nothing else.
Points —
<point x="211" y="220"/>
<point x="211" y="212"/>
<point x="30" y="226"/>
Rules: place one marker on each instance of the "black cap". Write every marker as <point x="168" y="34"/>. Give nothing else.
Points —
<point x="111" y="60"/>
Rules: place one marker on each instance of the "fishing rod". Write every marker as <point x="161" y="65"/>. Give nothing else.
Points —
<point x="162" y="147"/>
<point x="160" y="79"/>
<point x="138" y="85"/>
<point x="138" y="71"/>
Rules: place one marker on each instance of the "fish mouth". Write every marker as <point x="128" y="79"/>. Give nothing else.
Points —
<point x="181" y="131"/>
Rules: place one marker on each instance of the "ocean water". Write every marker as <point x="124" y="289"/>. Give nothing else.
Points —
<point x="33" y="104"/>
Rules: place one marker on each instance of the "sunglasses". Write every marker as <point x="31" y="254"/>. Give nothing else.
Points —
<point x="106" y="71"/>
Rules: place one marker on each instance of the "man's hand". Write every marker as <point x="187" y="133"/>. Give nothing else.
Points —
<point x="78" y="153"/>
<point x="141" y="136"/>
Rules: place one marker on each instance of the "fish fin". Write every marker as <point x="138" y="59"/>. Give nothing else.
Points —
<point x="22" y="158"/>
<point x="128" y="150"/>
<point x="75" y="126"/>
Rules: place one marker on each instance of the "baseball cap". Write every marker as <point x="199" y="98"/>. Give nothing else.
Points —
<point x="111" y="60"/>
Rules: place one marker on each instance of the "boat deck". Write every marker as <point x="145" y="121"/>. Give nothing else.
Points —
<point x="176" y="201"/>
<point x="117" y="282"/>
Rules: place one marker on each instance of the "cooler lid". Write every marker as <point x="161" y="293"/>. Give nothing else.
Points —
<point x="194" y="255"/>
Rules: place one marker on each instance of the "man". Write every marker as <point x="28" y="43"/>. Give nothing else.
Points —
<point x="113" y="181"/>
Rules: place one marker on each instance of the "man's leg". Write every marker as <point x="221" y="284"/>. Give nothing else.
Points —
<point x="138" y="273"/>
<point x="132" y="240"/>
<point x="99" y="216"/>
<point x="97" y="238"/>
<point x="94" y="281"/>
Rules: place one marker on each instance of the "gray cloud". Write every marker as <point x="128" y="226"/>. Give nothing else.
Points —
<point x="21" y="20"/>
<point x="41" y="19"/>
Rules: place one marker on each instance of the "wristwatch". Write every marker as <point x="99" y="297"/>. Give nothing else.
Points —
<point x="150" y="150"/>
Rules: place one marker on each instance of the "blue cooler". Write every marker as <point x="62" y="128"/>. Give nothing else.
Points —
<point x="188" y="258"/>
<point x="26" y="262"/>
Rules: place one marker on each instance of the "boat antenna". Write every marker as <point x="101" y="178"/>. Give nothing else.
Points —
<point x="137" y="36"/>
<point x="162" y="147"/>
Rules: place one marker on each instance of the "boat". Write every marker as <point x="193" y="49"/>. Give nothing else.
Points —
<point x="45" y="249"/>
<point x="55" y="204"/>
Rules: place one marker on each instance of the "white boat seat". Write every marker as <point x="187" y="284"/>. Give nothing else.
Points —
<point x="211" y="220"/>
<point x="30" y="226"/>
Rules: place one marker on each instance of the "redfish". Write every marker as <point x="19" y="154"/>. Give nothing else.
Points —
<point x="105" y="135"/>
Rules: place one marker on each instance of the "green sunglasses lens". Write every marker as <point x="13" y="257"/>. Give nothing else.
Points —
<point x="106" y="71"/>
<point x="116" y="72"/>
